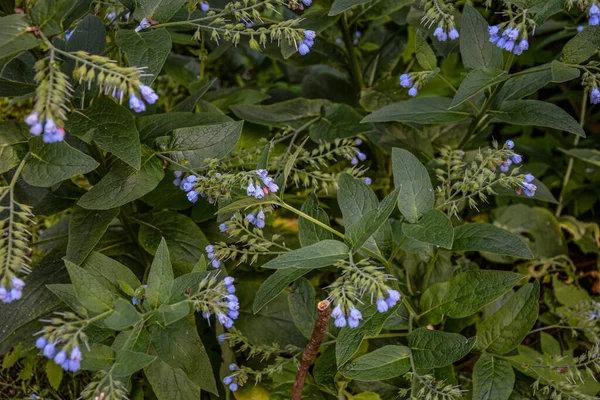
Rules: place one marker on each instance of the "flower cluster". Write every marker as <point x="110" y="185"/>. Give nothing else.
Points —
<point x="594" y="14"/>
<point x="232" y="380"/>
<point x="8" y="294"/>
<point x="52" y="133"/>
<point x="442" y="34"/>
<point x="360" y="156"/>
<point x="217" y="297"/>
<point x="307" y="43"/>
<point x="60" y="341"/>
<point x="144" y="24"/>
<point x="256" y="188"/>
<point x="210" y="250"/>
<point x="595" y="96"/>
<point x="138" y="295"/>
<point x="526" y="186"/>
<point x="359" y="280"/>
<point x="414" y="81"/>
<point x="509" y="39"/>
<point x="135" y="103"/>
<point x="258" y="220"/>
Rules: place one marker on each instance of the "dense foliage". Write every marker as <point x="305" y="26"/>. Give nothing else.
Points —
<point x="182" y="181"/>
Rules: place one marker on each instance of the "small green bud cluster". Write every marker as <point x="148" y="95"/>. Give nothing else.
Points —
<point x="582" y="317"/>
<point x="214" y="296"/>
<point x="432" y="389"/>
<point x="52" y="94"/>
<point x="104" y="387"/>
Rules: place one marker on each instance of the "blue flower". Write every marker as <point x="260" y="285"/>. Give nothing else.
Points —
<point x="148" y="94"/>
<point x="210" y="248"/>
<point x="509" y="144"/>
<point x="529" y="189"/>
<point x="453" y="34"/>
<point x="382" y="305"/>
<point x="517" y="158"/>
<point x="224" y="320"/>
<point x="310" y="35"/>
<point x="362" y="156"/>
<point x="505" y="165"/>
<point x="251" y="218"/>
<point x="232" y="367"/>
<point x="41" y="342"/>
<point x="440" y="34"/>
<point x="394" y="295"/>
<point x="580" y="28"/>
<point x="4" y="295"/>
<point x="303" y="49"/>
<point x="177" y="182"/>
<point x="32" y="119"/>
<point x="509" y="45"/>
<point x="61" y="357"/>
<point x="413" y="91"/>
<point x="337" y="311"/>
<point x="355" y="313"/>
<point x="368" y="180"/>
<point x="501" y="42"/>
<point x="36" y="129"/>
<point x="49" y="350"/>
<point x="135" y="301"/>
<point x="216" y="263"/>
<point x="518" y="50"/>
<point x="307" y="3"/>
<point x="358" y="141"/>
<point x="493" y="30"/>
<point x="68" y="34"/>
<point x="308" y="42"/>
<point x="228" y="280"/>
<point x="204" y="7"/>
<point x="340" y="322"/>
<point x="230" y="289"/>
<point x="57" y="135"/>
<point x="353" y="322"/>
<point x="221" y="338"/>
<point x="594" y="9"/>
<point x="405" y="81"/>
<point x="494" y="39"/>
<point x="259" y="193"/>
<point x="512" y="34"/>
<point x="594" y="20"/>
<point x="529" y="178"/>
<point x="192" y="196"/>
<point x="144" y="24"/>
<point x="250" y="189"/>
<point x="17" y="283"/>
<point x="595" y="96"/>
<point x="233" y="387"/>
<point x="76" y="354"/>
<point x="524" y="44"/>
<point x="227" y="380"/>
<point x="187" y="186"/>
<point x="223" y="227"/>
<point x="354" y="161"/>
<point x="136" y="104"/>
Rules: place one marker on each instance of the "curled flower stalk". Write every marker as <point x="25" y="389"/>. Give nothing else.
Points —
<point x="441" y="14"/>
<point x="216" y="297"/>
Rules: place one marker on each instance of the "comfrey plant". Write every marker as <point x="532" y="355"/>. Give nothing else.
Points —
<point x="293" y="199"/>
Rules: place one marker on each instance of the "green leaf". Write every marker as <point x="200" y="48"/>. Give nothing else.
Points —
<point x="487" y="237"/>
<point x="180" y="346"/>
<point x="129" y="362"/>
<point x="591" y="156"/>
<point x="189" y="103"/>
<point x="425" y="56"/>
<point x="339" y="6"/>
<point x="318" y="255"/>
<point x="159" y="10"/>
<point x="325" y="370"/>
<point x="384" y="363"/>
<point x="54" y="373"/>
<point x="421" y="110"/>
<point x="13" y="144"/>
<point x="563" y="73"/>
<point x="90" y="292"/>
<point x="99" y="357"/>
<point x="436" y="349"/>
<point x="465" y="294"/>
<point x="569" y="295"/>
<point x="339" y="121"/>
<point x="247" y="202"/>
<point x="49" y="164"/>
<point x="476" y="50"/>
<point x="416" y="195"/>
<point x="145" y="49"/>
<point x="303" y="306"/>
<point x="160" y="278"/>
<point x="349" y="339"/>
<point x="493" y="379"/>
<point x="506" y="328"/>
<point x="14" y="37"/>
<point x="184" y="282"/>
<point x="185" y="240"/>
<point x="358" y="233"/>
<point x="293" y="113"/>
<point x="168" y="314"/>
<point x="537" y="113"/>
<point x="170" y="383"/>
<point x="109" y="271"/>
<point x="275" y="284"/>
<point x="524" y="84"/>
<point x="308" y="232"/>
<point x="89" y="35"/>
<point x="476" y="82"/>
<point x="50" y="14"/>
<point x="111" y="126"/>
<point x="195" y="144"/>
<point x="123" y="184"/>
<point x="582" y="46"/>
<point x="86" y="228"/>
<point x="125" y="315"/>
<point x="154" y="126"/>
<point x="434" y="228"/>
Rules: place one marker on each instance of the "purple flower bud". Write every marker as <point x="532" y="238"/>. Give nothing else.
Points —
<point x="50" y="126"/>
<point x="250" y="189"/>
<point x="144" y="24"/>
<point x="368" y="180"/>
<point x="135" y="301"/>
<point x="192" y="179"/>
<point x="17" y="283"/>
<point x="230" y="289"/>
<point x="509" y="45"/>
<point x="259" y="193"/>
<point x="192" y="196"/>
<point x="187" y="186"/>
<point x="261" y="215"/>
<point x="529" y="189"/>
<point x="453" y="34"/>
<point x="439" y="33"/>
<point x="210" y="256"/>
<point x="353" y="322"/>
<point x="358" y="141"/>
<point x="273" y="187"/>
<point x="49" y="350"/>
<point x="494" y="39"/>
<point x="594" y="20"/>
<point x="580" y="28"/>
<point x="148" y="94"/>
<point x="221" y="338"/>
<point x="177" y="182"/>
<point x="260" y="223"/>
<point x="337" y="311"/>
<point x="15" y="294"/>
<point x="41" y="342"/>
<point x="205" y="314"/>
<point x="595" y="96"/>
<point x="354" y="161"/>
<point x="594" y="9"/>
<point x="61" y="357"/>
<point x="251" y="218"/>
<point x="74" y="365"/>
<point x="228" y="379"/>
<point x="362" y="156"/>
<point x="31" y="119"/>
<point x="228" y="280"/>
<point x="303" y="49"/>
<point x="310" y="35"/>
<point x="394" y="294"/>
<point x="493" y="30"/>
<point x="529" y="178"/>
<point x="232" y="367"/>
<point x="513" y="34"/>
<point x="36" y="129"/>
<point x="223" y="227"/>
<point x="510" y="144"/>
<point x="233" y="387"/>
<point x="413" y="91"/>
<point x="517" y="158"/>
<point x="216" y="263"/>
<point x="340" y="322"/>
<point x="136" y="104"/>
<point x="382" y="305"/>
<point x="210" y="248"/>
<point x="204" y="7"/>
<point x="76" y="354"/>
<point x="355" y="313"/>
<point x="501" y="42"/>
<point x="517" y="50"/>
<point x="524" y="44"/>
<point x="505" y="166"/>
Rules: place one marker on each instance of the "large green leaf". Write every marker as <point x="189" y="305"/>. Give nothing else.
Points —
<point x="125" y="315"/>
<point x="476" y="50"/>
<point x="487" y="237"/>
<point x="170" y="383"/>
<point x="339" y="6"/>
<point x="434" y="228"/>
<point x="98" y="357"/>
<point x="308" y="232"/>
<point x="109" y="272"/>
<point x="421" y="110"/>
<point x="425" y="56"/>
<point x="294" y="113"/>
<point x="537" y="113"/>
<point x="160" y="278"/>
<point x="153" y="126"/>
<point x="416" y="195"/>
<point x="493" y="378"/>
<point x="185" y="240"/>
<point x="86" y="228"/>
<point x="303" y="306"/>
<point x="89" y="35"/>
<point x="318" y="255"/>
<point x="582" y="46"/>
<point x="14" y="37"/>
<point x="340" y="121"/>
<point x="476" y="82"/>
<point x="13" y="144"/>
<point x="180" y="346"/>
<point x="562" y="72"/>
<point x="384" y="363"/>
<point x="195" y="144"/>
<point x="275" y="284"/>
<point x="50" y="14"/>
<point x="465" y="294"/>
<point x="129" y="362"/>
<point x="90" y="292"/>
<point x="124" y="184"/>
<point x="506" y="328"/>
<point x="591" y="156"/>
<point x="158" y="10"/>
<point x="49" y="164"/>
<point x="111" y="126"/>
<point x="436" y="349"/>
<point x="145" y="49"/>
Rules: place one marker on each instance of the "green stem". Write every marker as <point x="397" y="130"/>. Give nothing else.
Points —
<point x="451" y="86"/>
<point x="430" y="267"/>
<point x="353" y="58"/>
<point x="569" y="171"/>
